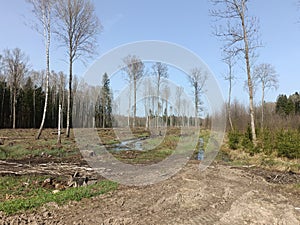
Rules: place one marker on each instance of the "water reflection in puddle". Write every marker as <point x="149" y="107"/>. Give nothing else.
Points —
<point x="135" y="144"/>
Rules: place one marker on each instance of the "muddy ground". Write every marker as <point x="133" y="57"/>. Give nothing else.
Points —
<point x="219" y="195"/>
<point x="222" y="194"/>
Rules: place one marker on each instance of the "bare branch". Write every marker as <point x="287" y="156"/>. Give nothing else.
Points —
<point x="197" y="79"/>
<point x="135" y="71"/>
<point x="77" y="27"/>
<point x="240" y="36"/>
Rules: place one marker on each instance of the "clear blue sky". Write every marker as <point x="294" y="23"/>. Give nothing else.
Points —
<point x="184" y="23"/>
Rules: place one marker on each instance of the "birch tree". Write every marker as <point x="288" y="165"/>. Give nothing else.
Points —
<point x="43" y="11"/>
<point x="15" y="66"/>
<point x="166" y="95"/>
<point x="77" y="28"/>
<point x="160" y="71"/>
<point x="240" y="36"/>
<point x="178" y="103"/>
<point x="1" y="67"/>
<point x="148" y="93"/>
<point x="266" y="75"/>
<point x="134" y="68"/>
<point x="230" y="61"/>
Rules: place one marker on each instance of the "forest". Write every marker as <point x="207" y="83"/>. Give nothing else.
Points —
<point x="29" y="86"/>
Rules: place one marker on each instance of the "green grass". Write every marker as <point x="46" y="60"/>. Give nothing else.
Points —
<point x="32" y="195"/>
<point x="161" y="147"/>
<point x="142" y="157"/>
<point x="112" y="142"/>
<point x="21" y="150"/>
<point x="20" y="186"/>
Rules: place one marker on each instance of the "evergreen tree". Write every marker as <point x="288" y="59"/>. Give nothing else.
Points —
<point x="285" y="106"/>
<point x="281" y="103"/>
<point x="103" y="108"/>
<point x="27" y="102"/>
<point x="107" y="101"/>
<point x="295" y="98"/>
<point x="98" y="112"/>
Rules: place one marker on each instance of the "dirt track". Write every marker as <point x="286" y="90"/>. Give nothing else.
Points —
<point x="219" y="195"/>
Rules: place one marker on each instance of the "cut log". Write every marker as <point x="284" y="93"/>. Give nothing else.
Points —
<point x="56" y="132"/>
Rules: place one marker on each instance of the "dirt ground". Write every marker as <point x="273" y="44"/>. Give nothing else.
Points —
<point x="219" y="195"/>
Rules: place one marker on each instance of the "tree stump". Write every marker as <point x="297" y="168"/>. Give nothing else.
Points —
<point x="1" y="141"/>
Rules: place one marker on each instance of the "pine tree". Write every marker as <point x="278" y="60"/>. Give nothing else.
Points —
<point x="103" y="108"/>
<point x="106" y="101"/>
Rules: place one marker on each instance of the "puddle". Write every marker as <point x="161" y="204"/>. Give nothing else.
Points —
<point x="135" y="144"/>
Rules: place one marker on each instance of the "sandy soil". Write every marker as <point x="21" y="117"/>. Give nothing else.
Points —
<point x="219" y="195"/>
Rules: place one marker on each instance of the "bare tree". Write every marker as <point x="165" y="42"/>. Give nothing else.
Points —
<point x="266" y="75"/>
<point x="148" y="93"/>
<point x="3" y="79"/>
<point x="59" y="126"/>
<point x="62" y="87"/>
<point x="1" y="66"/>
<point x="178" y="103"/>
<point x="197" y="79"/>
<point x="15" y="66"/>
<point x="77" y="29"/>
<point x="43" y="11"/>
<point x="135" y="71"/>
<point x="240" y="34"/>
<point x="229" y="60"/>
<point x="166" y="95"/>
<point x="160" y="71"/>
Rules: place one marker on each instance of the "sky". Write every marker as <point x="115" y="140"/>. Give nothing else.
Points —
<point x="185" y="23"/>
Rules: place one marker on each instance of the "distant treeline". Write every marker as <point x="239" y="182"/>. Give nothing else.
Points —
<point x="30" y="101"/>
<point x="284" y="113"/>
<point x="22" y="98"/>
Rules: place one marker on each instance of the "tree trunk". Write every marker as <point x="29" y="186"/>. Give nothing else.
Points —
<point x="45" y="107"/>
<point x="250" y="85"/>
<point x="47" y="37"/>
<point x="229" y="100"/>
<point x="34" y="109"/>
<point x="262" y="105"/>
<point x="69" y="109"/>
<point x="59" y="128"/>
<point x="11" y="99"/>
<point x="167" y="116"/>
<point x="134" y="102"/>
<point x="147" y="122"/>
<point x="104" y="111"/>
<point x="196" y="108"/>
<point x="14" y="107"/>
<point x="2" y="107"/>
<point x="157" y="97"/>
<point x="129" y="104"/>
<point x="146" y="114"/>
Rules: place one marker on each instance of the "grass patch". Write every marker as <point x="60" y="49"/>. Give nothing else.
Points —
<point x="160" y="147"/>
<point x="33" y="148"/>
<point x="31" y="196"/>
<point x="240" y="157"/>
<point x="12" y="187"/>
<point x="142" y="157"/>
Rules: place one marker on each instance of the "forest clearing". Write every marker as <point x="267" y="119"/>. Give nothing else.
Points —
<point x="230" y="191"/>
<point x="167" y="126"/>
